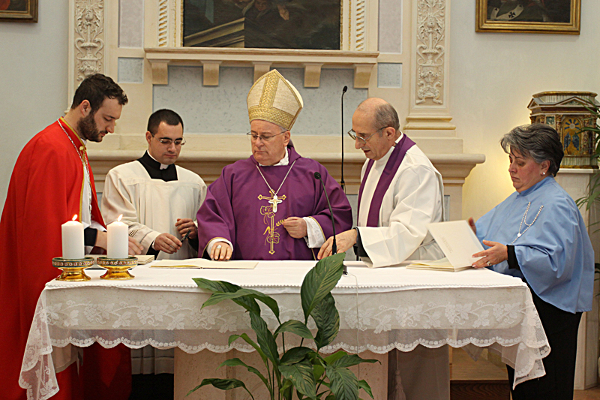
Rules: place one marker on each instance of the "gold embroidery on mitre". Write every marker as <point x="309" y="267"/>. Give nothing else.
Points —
<point x="272" y="98"/>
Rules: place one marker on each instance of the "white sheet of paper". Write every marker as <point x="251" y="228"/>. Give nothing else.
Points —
<point x="457" y="241"/>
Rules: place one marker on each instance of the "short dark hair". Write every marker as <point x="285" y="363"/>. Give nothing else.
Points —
<point x="167" y="116"/>
<point x="539" y="141"/>
<point x="95" y="88"/>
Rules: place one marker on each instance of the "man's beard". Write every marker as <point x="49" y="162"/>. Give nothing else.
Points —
<point x="88" y="129"/>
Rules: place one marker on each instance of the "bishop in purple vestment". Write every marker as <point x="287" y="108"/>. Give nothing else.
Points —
<point x="270" y="206"/>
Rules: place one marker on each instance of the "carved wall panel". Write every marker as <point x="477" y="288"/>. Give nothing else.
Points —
<point x="430" y="51"/>
<point x="89" y="38"/>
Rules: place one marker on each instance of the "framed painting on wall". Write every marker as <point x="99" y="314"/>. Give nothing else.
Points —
<point x="283" y="24"/>
<point x="529" y="16"/>
<point x="19" y="10"/>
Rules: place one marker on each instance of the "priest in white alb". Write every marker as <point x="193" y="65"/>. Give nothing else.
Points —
<point x="400" y="193"/>
<point x="158" y="199"/>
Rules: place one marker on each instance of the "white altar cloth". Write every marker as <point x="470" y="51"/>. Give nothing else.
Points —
<point x="380" y="309"/>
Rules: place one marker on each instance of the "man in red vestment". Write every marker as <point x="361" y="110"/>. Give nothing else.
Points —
<point x="51" y="182"/>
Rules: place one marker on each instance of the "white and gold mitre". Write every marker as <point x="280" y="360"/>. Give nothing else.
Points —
<point x="272" y="98"/>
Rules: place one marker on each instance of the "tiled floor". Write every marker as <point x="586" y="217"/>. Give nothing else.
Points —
<point x="590" y="394"/>
<point x="464" y="368"/>
<point x="160" y="387"/>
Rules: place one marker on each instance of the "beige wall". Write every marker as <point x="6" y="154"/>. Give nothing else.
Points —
<point x="33" y="80"/>
<point x="492" y="78"/>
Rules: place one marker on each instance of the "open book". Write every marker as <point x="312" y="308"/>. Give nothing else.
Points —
<point x="457" y="241"/>
<point x="437" y="265"/>
<point x="201" y="263"/>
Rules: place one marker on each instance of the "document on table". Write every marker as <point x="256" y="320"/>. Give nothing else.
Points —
<point x="201" y="263"/>
<point x="457" y="241"/>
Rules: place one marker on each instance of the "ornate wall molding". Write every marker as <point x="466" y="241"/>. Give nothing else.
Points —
<point x="360" y="18"/>
<point x="430" y="50"/>
<point x="89" y="38"/>
<point x="163" y="23"/>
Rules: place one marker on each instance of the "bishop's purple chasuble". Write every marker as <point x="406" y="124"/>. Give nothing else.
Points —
<point x="241" y="208"/>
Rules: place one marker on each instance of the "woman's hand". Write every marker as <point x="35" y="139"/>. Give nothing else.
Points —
<point x="472" y="225"/>
<point x="494" y="255"/>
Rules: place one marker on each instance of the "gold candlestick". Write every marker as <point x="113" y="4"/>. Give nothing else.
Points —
<point x="117" y="268"/>
<point x="73" y="269"/>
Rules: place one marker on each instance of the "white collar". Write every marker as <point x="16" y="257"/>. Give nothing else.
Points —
<point x="383" y="160"/>
<point x="162" y="166"/>
<point x="284" y="161"/>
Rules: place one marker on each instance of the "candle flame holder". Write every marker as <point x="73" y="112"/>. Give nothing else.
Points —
<point x="73" y="269"/>
<point x="117" y="268"/>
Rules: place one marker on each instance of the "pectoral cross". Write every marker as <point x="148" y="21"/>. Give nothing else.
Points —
<point x="273" y="200"/>
<point x="269" y="217"/>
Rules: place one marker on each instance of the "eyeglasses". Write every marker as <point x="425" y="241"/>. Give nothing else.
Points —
<point x="359" y="136"/>
<point x="263" y="138"/>
<point x="168" y="141"/>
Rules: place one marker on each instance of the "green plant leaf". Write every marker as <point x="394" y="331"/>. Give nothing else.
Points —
<point x="330" y="359"/>
<point x="223" y="384"/>
<point x="236" y="362"/>
<point x="264" y="338"/>
<point x="296" y="327"/>
<point x="301" y="375"/>
<point x="295" y="355"/>
<point x="318" y="371"/>
<point x="251" y="342"/>
<point x="350" y="360"/>
<point x="320" y="280"/>
<point x="362" y="384"/>
<point x="250" y="293"/>
<point x="287" y="389"/>
<point x="225" y="287"/>
<point x="344" y="383"/>
<point x="327" y="319"/>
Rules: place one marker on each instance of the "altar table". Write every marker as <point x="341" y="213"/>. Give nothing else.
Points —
<point x="380" y="309"/>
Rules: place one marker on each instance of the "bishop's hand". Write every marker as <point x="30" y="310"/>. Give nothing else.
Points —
<point x="295" y="226"/>
<point x="221" y="251"/>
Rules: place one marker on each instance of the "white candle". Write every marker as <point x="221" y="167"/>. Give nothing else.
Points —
<point x="72" y="239"/>
<point x="118" y="240"/>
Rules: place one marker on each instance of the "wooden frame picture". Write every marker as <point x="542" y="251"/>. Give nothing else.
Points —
<point x="19" y="10"/>
<point x="529" y="16"/>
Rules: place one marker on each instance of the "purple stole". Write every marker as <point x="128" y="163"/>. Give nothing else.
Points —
<point x="384" y="181"/>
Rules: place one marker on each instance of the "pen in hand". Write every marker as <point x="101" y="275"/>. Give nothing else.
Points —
<point x="186" y="235"/>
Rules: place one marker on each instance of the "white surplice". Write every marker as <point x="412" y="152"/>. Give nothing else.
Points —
<point x="413" y="200"/>
<point x="152" y="206"/>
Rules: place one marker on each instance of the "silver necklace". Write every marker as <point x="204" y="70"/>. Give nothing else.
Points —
<point x="274" y="200"/>
<point x="524" y="221"/>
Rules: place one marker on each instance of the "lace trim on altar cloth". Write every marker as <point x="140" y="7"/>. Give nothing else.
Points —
<point x="506" y="322"/>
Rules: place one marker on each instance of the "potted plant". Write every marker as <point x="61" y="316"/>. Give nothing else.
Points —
<point x="298" y="369"/>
